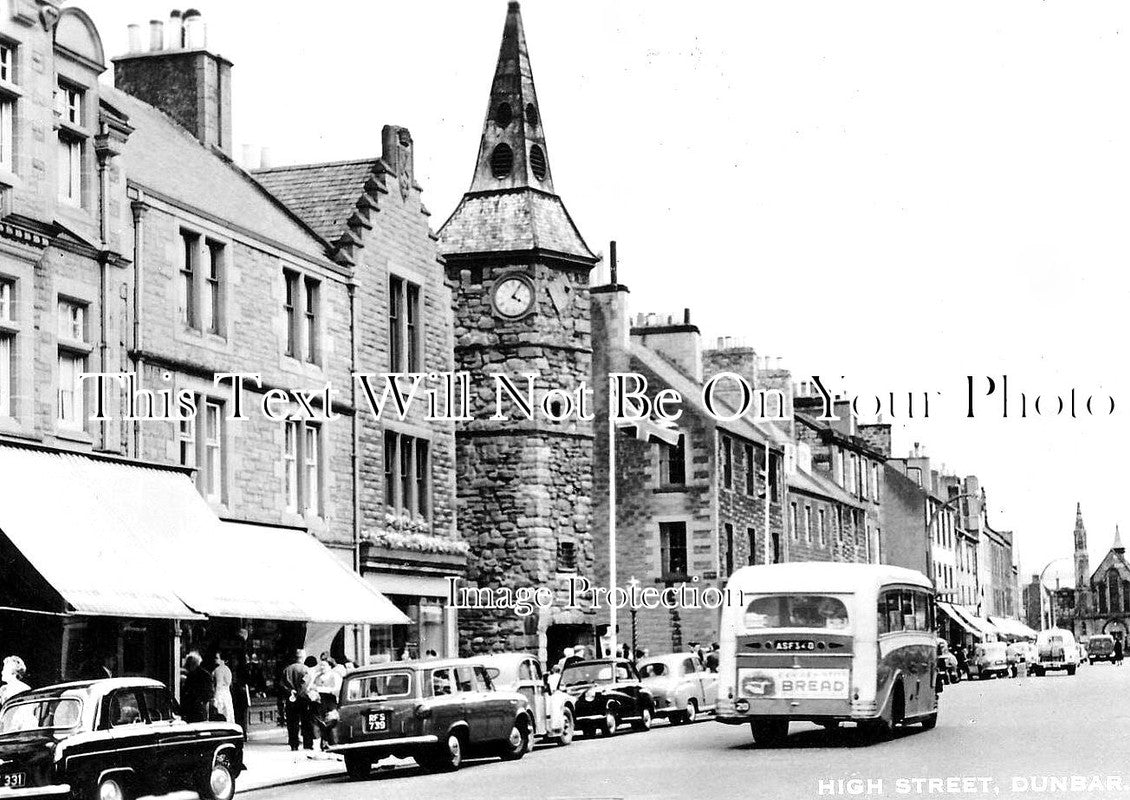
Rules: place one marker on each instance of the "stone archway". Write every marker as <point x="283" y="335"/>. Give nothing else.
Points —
<point x="1116" y="628"/>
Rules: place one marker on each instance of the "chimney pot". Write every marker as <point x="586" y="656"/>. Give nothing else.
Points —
<point x="686" y="316"/>
<point x="156" y="35"/>
<point x="135" y="43"/>
<point x="721" y="342"/>
<point x="612" y="278"/>
<point x="265" y="160"/>
<point x="195" y="34"/>
<point x="174" y="38"/>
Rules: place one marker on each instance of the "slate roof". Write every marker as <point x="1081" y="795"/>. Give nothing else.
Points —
<point x="691" y="393"/>
<point x="816" y="484"/>
<point x="162" y="156"/>
<point x="512" y="220"/>
<point x="323" y="195"/>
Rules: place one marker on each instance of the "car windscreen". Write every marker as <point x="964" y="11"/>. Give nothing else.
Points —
<point x="57" y="713"/>
<point x="379" y="686"/>
<point x="820" y="611"/>
<point x="592" y="673"/>
<point x="654" y="670"/>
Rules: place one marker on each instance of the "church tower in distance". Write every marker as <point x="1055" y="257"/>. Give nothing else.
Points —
<point x="519" y="273"/>
<point x="1082" y="565"/>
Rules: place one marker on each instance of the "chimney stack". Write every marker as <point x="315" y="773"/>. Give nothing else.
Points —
<point x="180" y="77"/>
<point x="135" y="42"/>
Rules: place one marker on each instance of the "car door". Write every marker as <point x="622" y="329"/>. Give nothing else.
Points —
<point x="499" y="705"/>
<point x="476" y="707"/>
<point x="445" y="700"/>
<point x="175" y="751"/>
<point x="690" y="676"/>
<point x="628" y="682"/>
<point x="532" y="686"/>
<point x="709" y="683"/>
<point x="132" y="744"/>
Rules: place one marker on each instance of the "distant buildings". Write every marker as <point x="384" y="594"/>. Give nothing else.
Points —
<point x="1100" y="602"/>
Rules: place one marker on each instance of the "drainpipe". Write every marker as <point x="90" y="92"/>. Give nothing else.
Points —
<point x="138" y="207"/>
<point x="355" y="456"/>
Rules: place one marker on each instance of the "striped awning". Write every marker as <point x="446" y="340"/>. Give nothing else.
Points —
<point x="978" y="626"/>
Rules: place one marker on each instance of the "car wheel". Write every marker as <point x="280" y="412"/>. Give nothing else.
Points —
<point x="769" y="732"/>
<point x="448" y="754"/>
<point x="567" y="728"/>
<point x="609" y="724"/>
<point x="644" y="722"/>
<point x="691" y="714"/>
<point x="517" y="743"/>
<point x="358" y="766"/>
<point x="218" y="782"/>
<point x="930" y="721"/>
<point x="112" y="788"/>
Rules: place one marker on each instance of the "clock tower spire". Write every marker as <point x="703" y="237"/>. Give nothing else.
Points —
<point x="1082" y="563"/>
<point x="519" y="274"/>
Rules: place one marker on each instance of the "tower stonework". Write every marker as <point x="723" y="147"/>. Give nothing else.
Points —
<point x="1082" y="565"/>
<point x="519" y="273"/>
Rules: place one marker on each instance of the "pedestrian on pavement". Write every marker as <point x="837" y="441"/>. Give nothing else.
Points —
<point x="12" y="674"/>
<point x="1118" y="652"/>
<point x="962" y="661"/>
<point x="240" y="691"/>
<point x="712" y="658"/>
<point x="222" y="680"/>
<point x="196" y="689"/>
<point x="327" y="682"/>
<point x="298" y="718"/>
<point x="572" y="656"/>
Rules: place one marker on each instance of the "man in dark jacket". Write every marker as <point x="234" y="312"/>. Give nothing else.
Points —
<point x="196" y="689"/>
<point x="298" y="712"/>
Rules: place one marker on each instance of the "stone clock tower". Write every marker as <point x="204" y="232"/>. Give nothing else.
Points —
<point x="519" y="272"/>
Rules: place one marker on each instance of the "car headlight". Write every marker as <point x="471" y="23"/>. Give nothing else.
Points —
<point x="590" y="695"/>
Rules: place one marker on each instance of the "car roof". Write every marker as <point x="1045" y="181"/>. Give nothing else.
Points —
<point x="666" y="658"/>
<point x="418" y="663"/>
<point x="504" y="658"/>
<point x="90" y="687"/>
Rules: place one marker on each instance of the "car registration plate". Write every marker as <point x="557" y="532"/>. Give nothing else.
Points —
<point x="376" y="721"/>
<point x="13" y="780"/>
<point x="794" y="684"/>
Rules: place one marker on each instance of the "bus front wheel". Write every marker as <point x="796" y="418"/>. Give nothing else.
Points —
<point x="769" y="731"/>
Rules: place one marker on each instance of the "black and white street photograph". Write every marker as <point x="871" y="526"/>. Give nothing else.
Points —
<point x="622" y="400"/>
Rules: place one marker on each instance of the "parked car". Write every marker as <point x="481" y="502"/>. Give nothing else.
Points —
<point x="607" y="693"/>
<point x="680" y="686"/>
<point x="112" y="739"/>
<point x="1100" y="647"/>
<point x="989" y="659"/>
<point x="438" y="712"/>
<point x="947" y="663"/>
<point x="1056" y="650"/>
<point x="553" y="709"/>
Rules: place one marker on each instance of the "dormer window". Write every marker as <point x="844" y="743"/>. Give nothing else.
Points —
<point x="70" y="100"/>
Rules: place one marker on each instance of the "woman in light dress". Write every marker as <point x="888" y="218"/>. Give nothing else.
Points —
<point x="13" y="673"/>
<point x="221" y="689"/>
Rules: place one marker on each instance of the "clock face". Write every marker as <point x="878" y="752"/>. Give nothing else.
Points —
<point x="513" y="296"/>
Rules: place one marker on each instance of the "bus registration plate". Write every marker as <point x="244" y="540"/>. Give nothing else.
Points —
<point x="794" y="684"/>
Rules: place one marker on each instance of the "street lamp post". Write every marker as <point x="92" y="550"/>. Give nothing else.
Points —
<point x="1051" y="594"/>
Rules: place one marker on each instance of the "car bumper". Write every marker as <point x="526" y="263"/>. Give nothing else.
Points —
<point x="58" y="790"/>
<point x="384" y="744"/>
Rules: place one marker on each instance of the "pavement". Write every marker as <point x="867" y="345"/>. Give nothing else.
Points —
<point x="270" y="763"/>
<point x="1057" y="737"/>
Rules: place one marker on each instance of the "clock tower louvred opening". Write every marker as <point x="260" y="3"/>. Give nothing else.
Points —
<point x="519" y="271"/>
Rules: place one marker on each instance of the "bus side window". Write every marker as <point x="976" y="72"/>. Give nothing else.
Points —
<point x="908" y="618"/>
<point x="890" y="611"/>
<point x="921" y="612"/>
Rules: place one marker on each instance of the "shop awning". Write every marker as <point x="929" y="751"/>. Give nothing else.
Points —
<point x="1013" y="627"/>
<point x="950" y="612"/>
<point x="265" y="572"/>
<point x="972" y="623"/>
<point x="119" y="539"/>
<point x="95" y="529"/>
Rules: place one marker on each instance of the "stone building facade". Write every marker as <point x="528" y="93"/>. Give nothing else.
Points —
<point x="130" y="243"/>
<point x="687" y="515"/>
<point x="518" y="269"/>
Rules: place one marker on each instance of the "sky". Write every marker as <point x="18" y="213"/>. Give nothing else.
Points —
<point x="893" y="196"/>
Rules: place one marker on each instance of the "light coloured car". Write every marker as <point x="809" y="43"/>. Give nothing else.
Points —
<point x="989" y="659"/>
<point x="554" y="713"/>
<point x="682" y="687"/>
<point x="1057" y="650"/>
<point x="1021" y="652"/>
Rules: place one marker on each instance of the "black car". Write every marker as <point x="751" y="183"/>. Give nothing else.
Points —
<point x="112" y="739"/>
<point x="608" y="693"/>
